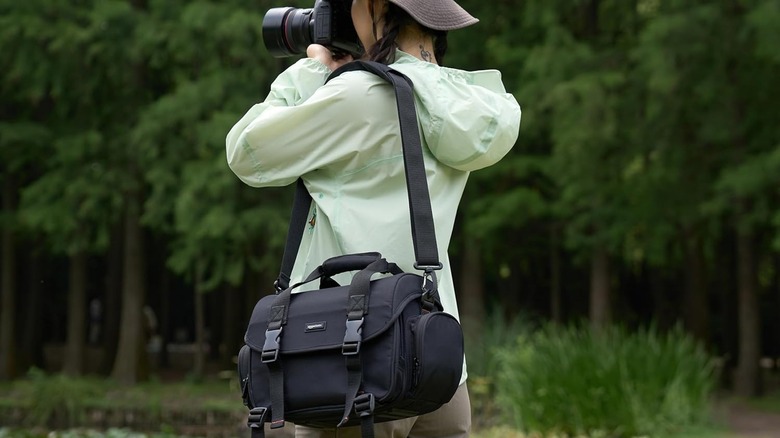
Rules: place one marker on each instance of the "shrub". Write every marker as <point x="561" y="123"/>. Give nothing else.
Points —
<point x="623" y="384"/>
<point x="58" y="399"/>
<point x="482" y="346"/>
<point x="57" y="402"/>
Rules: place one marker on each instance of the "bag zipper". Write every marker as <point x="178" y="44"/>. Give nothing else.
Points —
<point x="244" y="364"/>
<point x="418" y="330"/>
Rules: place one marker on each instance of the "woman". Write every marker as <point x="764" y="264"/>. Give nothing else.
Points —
<point x="343" y="139"/>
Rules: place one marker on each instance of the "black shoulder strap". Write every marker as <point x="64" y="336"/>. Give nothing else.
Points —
<point x="423" y="232"/>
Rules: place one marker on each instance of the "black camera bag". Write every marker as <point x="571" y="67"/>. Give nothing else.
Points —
<point x="378" y="349"/>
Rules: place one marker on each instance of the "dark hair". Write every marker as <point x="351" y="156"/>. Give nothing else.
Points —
<point x="384" y="49"/>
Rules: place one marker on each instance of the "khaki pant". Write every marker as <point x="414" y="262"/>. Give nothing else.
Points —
<point x="453" y="420"/>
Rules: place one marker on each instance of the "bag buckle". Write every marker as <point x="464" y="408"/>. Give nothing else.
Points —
<point x="256" y="417"/>
<point x="271" y="346"/>
<point x="352" y="337"/>
<point x="429" y="288"/>
<point x="364" y="404"/>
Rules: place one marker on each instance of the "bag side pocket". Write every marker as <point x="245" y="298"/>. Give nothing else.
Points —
<point x="244" y="367"/>
<point x="438" y="357"/>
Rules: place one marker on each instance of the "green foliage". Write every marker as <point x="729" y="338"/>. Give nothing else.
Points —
<point x="57" y="396"/>
<point x="205" y="55"/>
<point x="624" y="103"/>
<point x="75" y="201"/>
<point x="85" y="433"/>
<point x="55" y="400"/>
<point x="507" y="432"/>
<point x="576" y="381"/>
<point x="106" y="98"/>
<point x="483" y="361"/>
<point x="646" y="122"/>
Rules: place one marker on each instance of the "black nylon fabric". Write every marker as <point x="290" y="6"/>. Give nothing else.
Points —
<point x="411" y="360"/>
<point x="329" y="306"/>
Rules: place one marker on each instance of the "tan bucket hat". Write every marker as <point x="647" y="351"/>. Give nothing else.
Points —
<point x="437" y="14"/>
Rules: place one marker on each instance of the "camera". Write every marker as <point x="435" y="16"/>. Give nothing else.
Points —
<point x="287" y="31"/>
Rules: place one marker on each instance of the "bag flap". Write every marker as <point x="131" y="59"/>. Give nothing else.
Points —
<point x="317" y="319"/>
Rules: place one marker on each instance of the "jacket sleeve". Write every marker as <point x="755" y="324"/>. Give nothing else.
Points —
<point x="274" y="142"/>
<point x="480" y="125"/>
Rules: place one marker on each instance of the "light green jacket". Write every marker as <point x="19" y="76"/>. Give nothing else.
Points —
<point x="343" y="139"/>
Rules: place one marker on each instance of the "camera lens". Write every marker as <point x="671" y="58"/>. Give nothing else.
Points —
<point x="287" y="31"/>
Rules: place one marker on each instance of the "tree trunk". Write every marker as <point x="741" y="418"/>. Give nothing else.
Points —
<point x="697" y="309"/>
<point x="472" y="289"/>
<point x="600" y="312"/>
<point x="556" y="300"/>
<point x="131" y="351"/>
<point x="165" y="318"/>
<point x="231" y="339"/>
<point x="664" y="309"/>
<point x="592" y="18"/>
<point x="725" y="285"/>
<point x="747" y="378"/>
<point x="8" y="288"/>
<point x="215" y="304"/>
<point x="112" y="298"/>
<point x="31" y="350"/>
<point x="200" y="323"/>
<point x="77" y="315"/>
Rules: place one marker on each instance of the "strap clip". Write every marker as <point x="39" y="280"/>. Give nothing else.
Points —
<point x="271" y="347"/>
<point x="352" y="337"/>
<point x="429" y="290"/>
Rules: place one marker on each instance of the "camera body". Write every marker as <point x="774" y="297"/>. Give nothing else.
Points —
<point x="287" y="31"/>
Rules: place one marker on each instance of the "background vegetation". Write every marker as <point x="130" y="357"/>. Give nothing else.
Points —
<point x="644" y="190"/>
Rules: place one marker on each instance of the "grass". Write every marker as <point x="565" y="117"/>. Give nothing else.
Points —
<point x="64" y="403"/>
<point x="575" y="382"/>
<point x="39" y="388"/>
<point x="494" y="432"/>
<point x="767" y="403"/>
<point x="507" y="432"/>
<point x="515" y="353"/>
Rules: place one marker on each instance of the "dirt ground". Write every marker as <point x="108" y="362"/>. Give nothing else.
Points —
<point x="746" y="421"/>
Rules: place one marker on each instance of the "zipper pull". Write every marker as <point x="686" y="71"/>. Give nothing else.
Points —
<point x="416" y="372"/>
<point x="245" y="391"/>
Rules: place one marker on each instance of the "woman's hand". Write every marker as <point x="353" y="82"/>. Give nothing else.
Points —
<point x="324" y="55"/>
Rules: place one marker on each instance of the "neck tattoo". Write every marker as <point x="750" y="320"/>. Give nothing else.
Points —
<point x="426" y="55"/>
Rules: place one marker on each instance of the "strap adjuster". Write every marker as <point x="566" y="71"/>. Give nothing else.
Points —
<point x="428" y="267"/>
<point x="352" y="337"/>
<point x="364" y="405"/>
<point x="271" y="346"/>
<point x="256" y="417"/>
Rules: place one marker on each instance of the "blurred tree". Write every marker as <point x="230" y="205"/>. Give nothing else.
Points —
<point x="8" y="284"/>
<point x="209" y="67"/>
<point x="748" y="187"/>
<point x="79" y="197"/>
<point x="704" y="139"/>
<point x="629" y="113"/>
<point x="572" y="73"/>
<point x="45" y="95"/>
<point x="22" y="134"/>
<point x="674" y="164"/>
